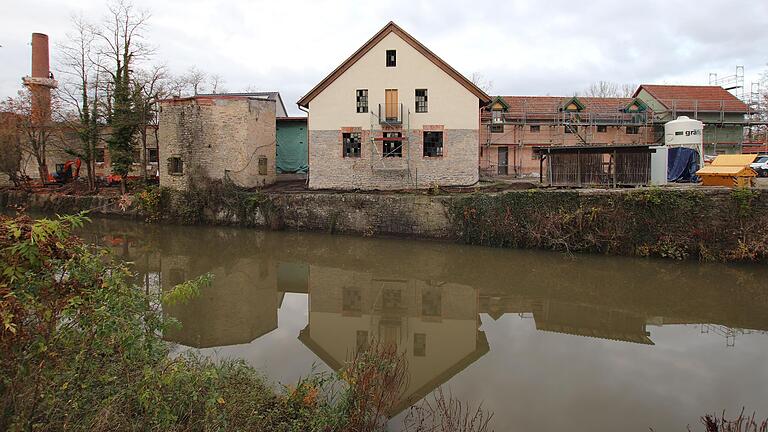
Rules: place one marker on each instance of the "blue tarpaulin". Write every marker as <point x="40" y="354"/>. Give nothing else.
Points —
<point x="682" y="164"/>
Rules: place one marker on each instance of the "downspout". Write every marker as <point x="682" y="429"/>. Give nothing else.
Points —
<point x="308" y="173"/>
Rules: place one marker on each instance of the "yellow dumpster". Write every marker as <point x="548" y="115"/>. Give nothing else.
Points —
<point x="729" y="170"/>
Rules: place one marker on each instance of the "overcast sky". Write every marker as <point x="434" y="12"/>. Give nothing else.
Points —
<point x="523" y="47"/>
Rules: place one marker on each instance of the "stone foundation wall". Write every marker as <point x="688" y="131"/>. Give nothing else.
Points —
<point x="329" y="169"/>
<point x="709" y="224"/>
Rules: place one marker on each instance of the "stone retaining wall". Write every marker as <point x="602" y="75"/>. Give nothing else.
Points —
<point x="691" y="223"/>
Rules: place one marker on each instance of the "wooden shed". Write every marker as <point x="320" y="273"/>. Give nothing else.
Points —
<point x="595" y="166"/>
<point x="729" y="170"/>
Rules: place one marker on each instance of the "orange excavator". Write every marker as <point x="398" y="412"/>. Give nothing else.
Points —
<point x="66" y="172"/>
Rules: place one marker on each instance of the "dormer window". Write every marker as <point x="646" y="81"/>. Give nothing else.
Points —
<point x="391" y="58"/>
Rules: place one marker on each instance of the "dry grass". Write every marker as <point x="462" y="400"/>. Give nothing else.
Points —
<point x="441" y="412"/>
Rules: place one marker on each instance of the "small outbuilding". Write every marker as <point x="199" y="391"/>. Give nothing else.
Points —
<point x="217" y="137"/>
<point x="595" y="166"/>
<point x="729" y="170"/>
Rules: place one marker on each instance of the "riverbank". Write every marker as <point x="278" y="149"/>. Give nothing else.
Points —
<point x="709" y="224"/>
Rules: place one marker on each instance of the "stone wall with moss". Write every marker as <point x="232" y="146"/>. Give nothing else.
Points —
<point x="708" y="224"/>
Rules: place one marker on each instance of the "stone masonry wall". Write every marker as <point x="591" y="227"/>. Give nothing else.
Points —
<point x="218" y="137"/>
<point x="329" y="169"/>
<point x="711" y="224"/>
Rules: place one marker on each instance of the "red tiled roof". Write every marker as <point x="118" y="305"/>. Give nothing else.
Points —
<point x="694" y="98"/>
<point x="553" y="104"/>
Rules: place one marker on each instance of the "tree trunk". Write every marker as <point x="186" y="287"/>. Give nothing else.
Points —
<point x="144" y="154"/>
<point x="42" y="170"/>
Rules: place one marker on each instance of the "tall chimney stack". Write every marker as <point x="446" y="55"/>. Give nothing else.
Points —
<point x="41" y="81"/>
<point x="40" y="61"/>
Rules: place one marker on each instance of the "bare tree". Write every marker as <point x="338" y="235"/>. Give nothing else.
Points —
<point x="215" y="80"/>
<point x="10" y="147"/>
<point x="80" y="92"/>
<point x="150" y="86"/>
<point x="34" y="111"/>
<point x="606" y="89"/>
<point x="177" y="85"/>
<point x="482" y="82"/>
<point x="195" y="79"/>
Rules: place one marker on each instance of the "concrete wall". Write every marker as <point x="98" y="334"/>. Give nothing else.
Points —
<point x="451" y="108"/>
<point x="218" y="137"/>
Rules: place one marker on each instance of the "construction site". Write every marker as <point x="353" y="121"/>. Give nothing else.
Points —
<point x="518" y="131"/>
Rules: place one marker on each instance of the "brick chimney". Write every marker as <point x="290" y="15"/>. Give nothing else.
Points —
<point x="41" y="81"/>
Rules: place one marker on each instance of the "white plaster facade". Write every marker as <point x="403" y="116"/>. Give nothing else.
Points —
<point x="452" y="108"/>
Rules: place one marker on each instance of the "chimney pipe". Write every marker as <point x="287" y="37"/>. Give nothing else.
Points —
<point x="40" y="63"/>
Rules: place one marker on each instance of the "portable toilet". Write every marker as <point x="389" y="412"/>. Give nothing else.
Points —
<point x="729" y="170"/>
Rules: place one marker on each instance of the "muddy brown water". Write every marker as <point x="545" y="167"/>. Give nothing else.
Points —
<point x="547" y="341"/>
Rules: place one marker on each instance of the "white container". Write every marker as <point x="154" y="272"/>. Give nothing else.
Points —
<point x="685" y="132"/>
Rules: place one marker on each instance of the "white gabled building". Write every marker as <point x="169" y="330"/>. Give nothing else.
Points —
<point x="393" y="116"/>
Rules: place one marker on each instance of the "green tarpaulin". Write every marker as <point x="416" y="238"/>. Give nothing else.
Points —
<point x="292" y="146"/>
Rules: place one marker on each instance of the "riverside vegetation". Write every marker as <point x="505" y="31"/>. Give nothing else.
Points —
<point x="82" y="349"/>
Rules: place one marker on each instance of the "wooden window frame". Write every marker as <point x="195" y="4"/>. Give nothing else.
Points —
<point x="391" y="58"/>
<point x="422" y="101"/>
<point x="361" y="101"/>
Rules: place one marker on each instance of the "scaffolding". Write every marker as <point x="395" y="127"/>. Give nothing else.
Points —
<point x="560" y="127"/>
<point x="390" y="154"/>
<point x="733" y="83"/>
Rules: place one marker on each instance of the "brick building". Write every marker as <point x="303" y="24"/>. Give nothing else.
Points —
<point x="513" y="125"/>
<point x="393" y="116"/>
<point x="217" y="137"/>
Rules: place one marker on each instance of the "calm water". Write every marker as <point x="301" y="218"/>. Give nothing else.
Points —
<point x="548" y="342"/>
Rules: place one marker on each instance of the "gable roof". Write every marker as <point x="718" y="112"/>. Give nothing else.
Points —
<point x="391" y="27"/>
<point x="552" y="104"/>
<point x="694" y="98"/>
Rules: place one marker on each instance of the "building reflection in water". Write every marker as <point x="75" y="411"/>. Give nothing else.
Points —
<point x="431" y="312"/>
<point x="435" y="324"/>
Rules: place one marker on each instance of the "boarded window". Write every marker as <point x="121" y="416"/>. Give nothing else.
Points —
<point x="536" y="129"/>
<point x="175" y="165"/>
<point x="351" y="143"/>
<point x="99" y="155"/>
<point x="362" y="100"/>
<point x="497" y="128"/>
<point x="602" y="128"/>
<point x="419" y="344"/>
<point x="421" y="101"/>
<point x="433" y="144"/>
<point x="392" y="144"/>
<point x="633" y="130"/>
<point x="391" y="58"/>
<point x="262" y="165"/>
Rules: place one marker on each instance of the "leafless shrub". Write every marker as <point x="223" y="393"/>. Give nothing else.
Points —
<point x="377" y="375"/>
<point x="441" y="412"/>
<point x="742" y="423"/>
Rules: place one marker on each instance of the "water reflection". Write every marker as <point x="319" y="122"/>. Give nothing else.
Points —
<point x="429" y="298"/>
